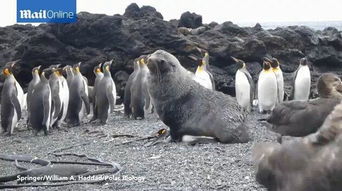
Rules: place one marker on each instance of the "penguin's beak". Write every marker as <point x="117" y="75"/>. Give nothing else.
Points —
<point x="235" y="59"/>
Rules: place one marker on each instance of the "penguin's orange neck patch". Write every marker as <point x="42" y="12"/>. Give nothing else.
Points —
<point x="77" y="69"/>
<point x="199" y="69"/>
<point x="6" y="72"/>
<point x="98" y="70"/>
<point x="276" y="69"/>
<point x="268" y="70"/>
<point x="107" y="68"/>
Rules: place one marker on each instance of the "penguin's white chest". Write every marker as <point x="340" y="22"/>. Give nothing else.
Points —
<point x="280" y="84"/>
<point x="267" y="91"/>
<point x="242" y="89"/>
<point x="302" y="84"/>
<point x="20" y="95"/>
<point x="203" y="78"/>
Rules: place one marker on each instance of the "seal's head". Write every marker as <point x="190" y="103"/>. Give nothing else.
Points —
<point x="162" y="63"/>
<point x="329" y="85"/>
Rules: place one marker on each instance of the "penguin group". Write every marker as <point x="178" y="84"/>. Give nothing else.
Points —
<point x="53" y="100"/>
<point x="137" y="98"/>
<point x="270" y="84"/>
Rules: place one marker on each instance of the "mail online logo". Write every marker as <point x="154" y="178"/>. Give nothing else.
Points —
<point x="46" y="11"/>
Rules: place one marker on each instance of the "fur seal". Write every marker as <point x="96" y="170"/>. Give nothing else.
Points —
<point x="244" y="86"/>
<point x="78" y="97"/>
<point x="303" y="164"/>
<point x="267" y="88"/>
<point x="10" y="102"/>
<point x="40" y="107"/>
<point x="127" y="93"/>
<point x="105" y="96"/>
<point x="35" y="80"/>
<point x="189" y="108"/>
<point x="202" y="74"/>
<point x="302" y="81"/>
<point x="140" y="98"/>
<point x="300" y="118"/>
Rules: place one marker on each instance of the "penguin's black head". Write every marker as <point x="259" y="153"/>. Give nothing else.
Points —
<point x="240" y="63"/>
<point x="106" y="66"/>
<point x="266" y="65"/>
<point x="97" y="69"/>
<point x="35" y="70"/>
<point x="162" y="62"/>
<point x="8" y="69"/>
<point x="45" y="73"/>
<point x="55" y="69"/>
<point x="275" y="63"/>
<point x="303" y="61"/>
<point x="76" y="67"/>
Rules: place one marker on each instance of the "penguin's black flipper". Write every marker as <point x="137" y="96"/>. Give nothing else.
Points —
<point x="147" y="100"/>
<point x="16" y="104"/>
<point x="85" y="100"/>
<point x="294" y="76"/>
<point x="111" y="98"/>
<point x="212" y="80"/>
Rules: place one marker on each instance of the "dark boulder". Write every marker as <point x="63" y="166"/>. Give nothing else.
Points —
<point x="96" y="38"/>
<point x="190" y="20"/>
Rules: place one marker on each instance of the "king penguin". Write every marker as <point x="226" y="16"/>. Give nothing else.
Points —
<point x="280" y="79"/>
<point x="70" y="74"/>
<point x="10" y="103"/>
<point x="267" y="88"/>
<point x="98" y="77"/>
<point x="106" y="94"/>
<point x="33" y="83"/>
<point x="140" y="100"/>
<point x="127" y="95"/>
<point x="244" y="86"/>
<point x="40" y="107"/>
<point x="302" y="81"/>
<point x="78" y="97"/>
<point x="202" y="74"/>
<point x="59" y="94"/>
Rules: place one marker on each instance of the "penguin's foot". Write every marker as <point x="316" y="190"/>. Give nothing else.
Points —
<point x="7" y="133"/>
